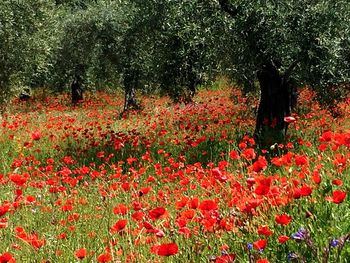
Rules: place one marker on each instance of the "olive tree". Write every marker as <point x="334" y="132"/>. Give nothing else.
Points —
<point x="23" y="48"/>
<point x="285" y="44"/>
<point x="107" y="43"/>
<point x="186" y="47"/>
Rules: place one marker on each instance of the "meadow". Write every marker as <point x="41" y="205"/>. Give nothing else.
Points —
<point x="172" y="183"/>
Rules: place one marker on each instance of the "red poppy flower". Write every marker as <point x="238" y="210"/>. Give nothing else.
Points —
<point x="145" y="190"/>
<point x="283" y="239"/>
<point x="36" y="135"/>
<point x="316" y="178"/>
<point x="337" y="197"/>
<point x="137" y="216"/>
<point x="262" y="260"/>
<point x="227" y="258"/>
<point x="7" y="258"/>
<point x="120" y="209"/>
<point x="301" y="160"/>
<point x="219" y="175"/>
<point x="119" y="225"/>
<point x="165" y="249"/>
<point x="326" y="136"/>
<point x="234" y="155"/>
<point x="148" y="226"/>
<point x="208" y="205"/>
<point x="104" y="258"/>
<point x="337" y="182"/>
<point x="19" y="179"/>
<point x="260" y="244"/>
<point x="194" y="203"/>
<point x="263" y="185"/>
<point x="305" y="190"/>
<point x="260" y="164"/>
<point x="248" y="154"/>
<point x="4" y="209"/>
<point x="156" y="213"/>
<point x="81" y="253"/>
<point x="283" y="219"/>
<point x="265" y="230"/>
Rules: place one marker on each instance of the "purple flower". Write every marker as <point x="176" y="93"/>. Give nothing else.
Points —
<point x="334" y="242"/>
<point x="292" y="256"/>
<point x="300" y="235"/>
<point x="250" y="246"/>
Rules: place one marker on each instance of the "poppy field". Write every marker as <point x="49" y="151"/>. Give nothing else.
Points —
<point x="172" y="183"/>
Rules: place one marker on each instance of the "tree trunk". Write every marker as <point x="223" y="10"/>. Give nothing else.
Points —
<point x="77" y="90"/>
<point x="275" y="104"/>
<point x="130" y="102"/>
<point x="192" y="85"/>
<point x="131" y="79"/>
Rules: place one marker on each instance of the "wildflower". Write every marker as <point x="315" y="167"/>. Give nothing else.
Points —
<point x="156" y="213"/>
<point x="4" y="209"/>
<point x="265" y="230"/>
<point x="104" y="258"/>
<point x="249" y="154"/>
<point x="334" y="243"/>
<point x="283" y="239"/>
<point x="168" y="249"/>
<point x="36" y="135"/>
<point x="120" y="209"/>
<point x="208" y="205"/>
<point x="301" y="160"/>
<point x="337" y="182"/>
<point x="7" y="257"/>
<point x="80" y="253"/>
<point x="337" y="197"/>
<point x="119" y="225"/>
<point x="219" y="175"/>
<point x="283" y="219"/>
<point x="260" y="164"/>
<point x="326" y="136"/>
<point x="137" y="216"/>
<point x="300" y="235"/>
<point x="292" y="256"/>
<point x="289" y="119"/>
<point x="225" y="258"/>
<point x="260" y="244"/>
<point x="234" y="155"/>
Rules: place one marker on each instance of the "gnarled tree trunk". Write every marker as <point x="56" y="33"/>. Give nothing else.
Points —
<point x="276" y="102"/>
<point x="77" y="90"/>
<point x="130" y="102"/>
<point x="131" y="79"/>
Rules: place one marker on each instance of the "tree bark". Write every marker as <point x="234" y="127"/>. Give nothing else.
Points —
<point x="276" y="102"/>
<point x="131" y="80"/>
<point x="77" y="90"/>
<point x="130" y="102"/>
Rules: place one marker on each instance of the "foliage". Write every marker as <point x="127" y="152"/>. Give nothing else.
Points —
<point x="305" y="40"/>
<point x="186" y="46"/>
<point x="23" y="48"/>
<point x="170" y="45"/>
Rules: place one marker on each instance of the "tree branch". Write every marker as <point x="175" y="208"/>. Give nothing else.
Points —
<point x="228" y="8"/>
<point x="289" y="70"/>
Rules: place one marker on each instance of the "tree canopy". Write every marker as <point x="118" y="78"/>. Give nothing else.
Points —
<point x="174" y="45"/>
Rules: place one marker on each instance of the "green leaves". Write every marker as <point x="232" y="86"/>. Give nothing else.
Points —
<point x="286" y="31"/>
<point x="169" y="42"/>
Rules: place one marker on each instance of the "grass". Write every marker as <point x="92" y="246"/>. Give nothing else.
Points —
<point x="172" y="183"/>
